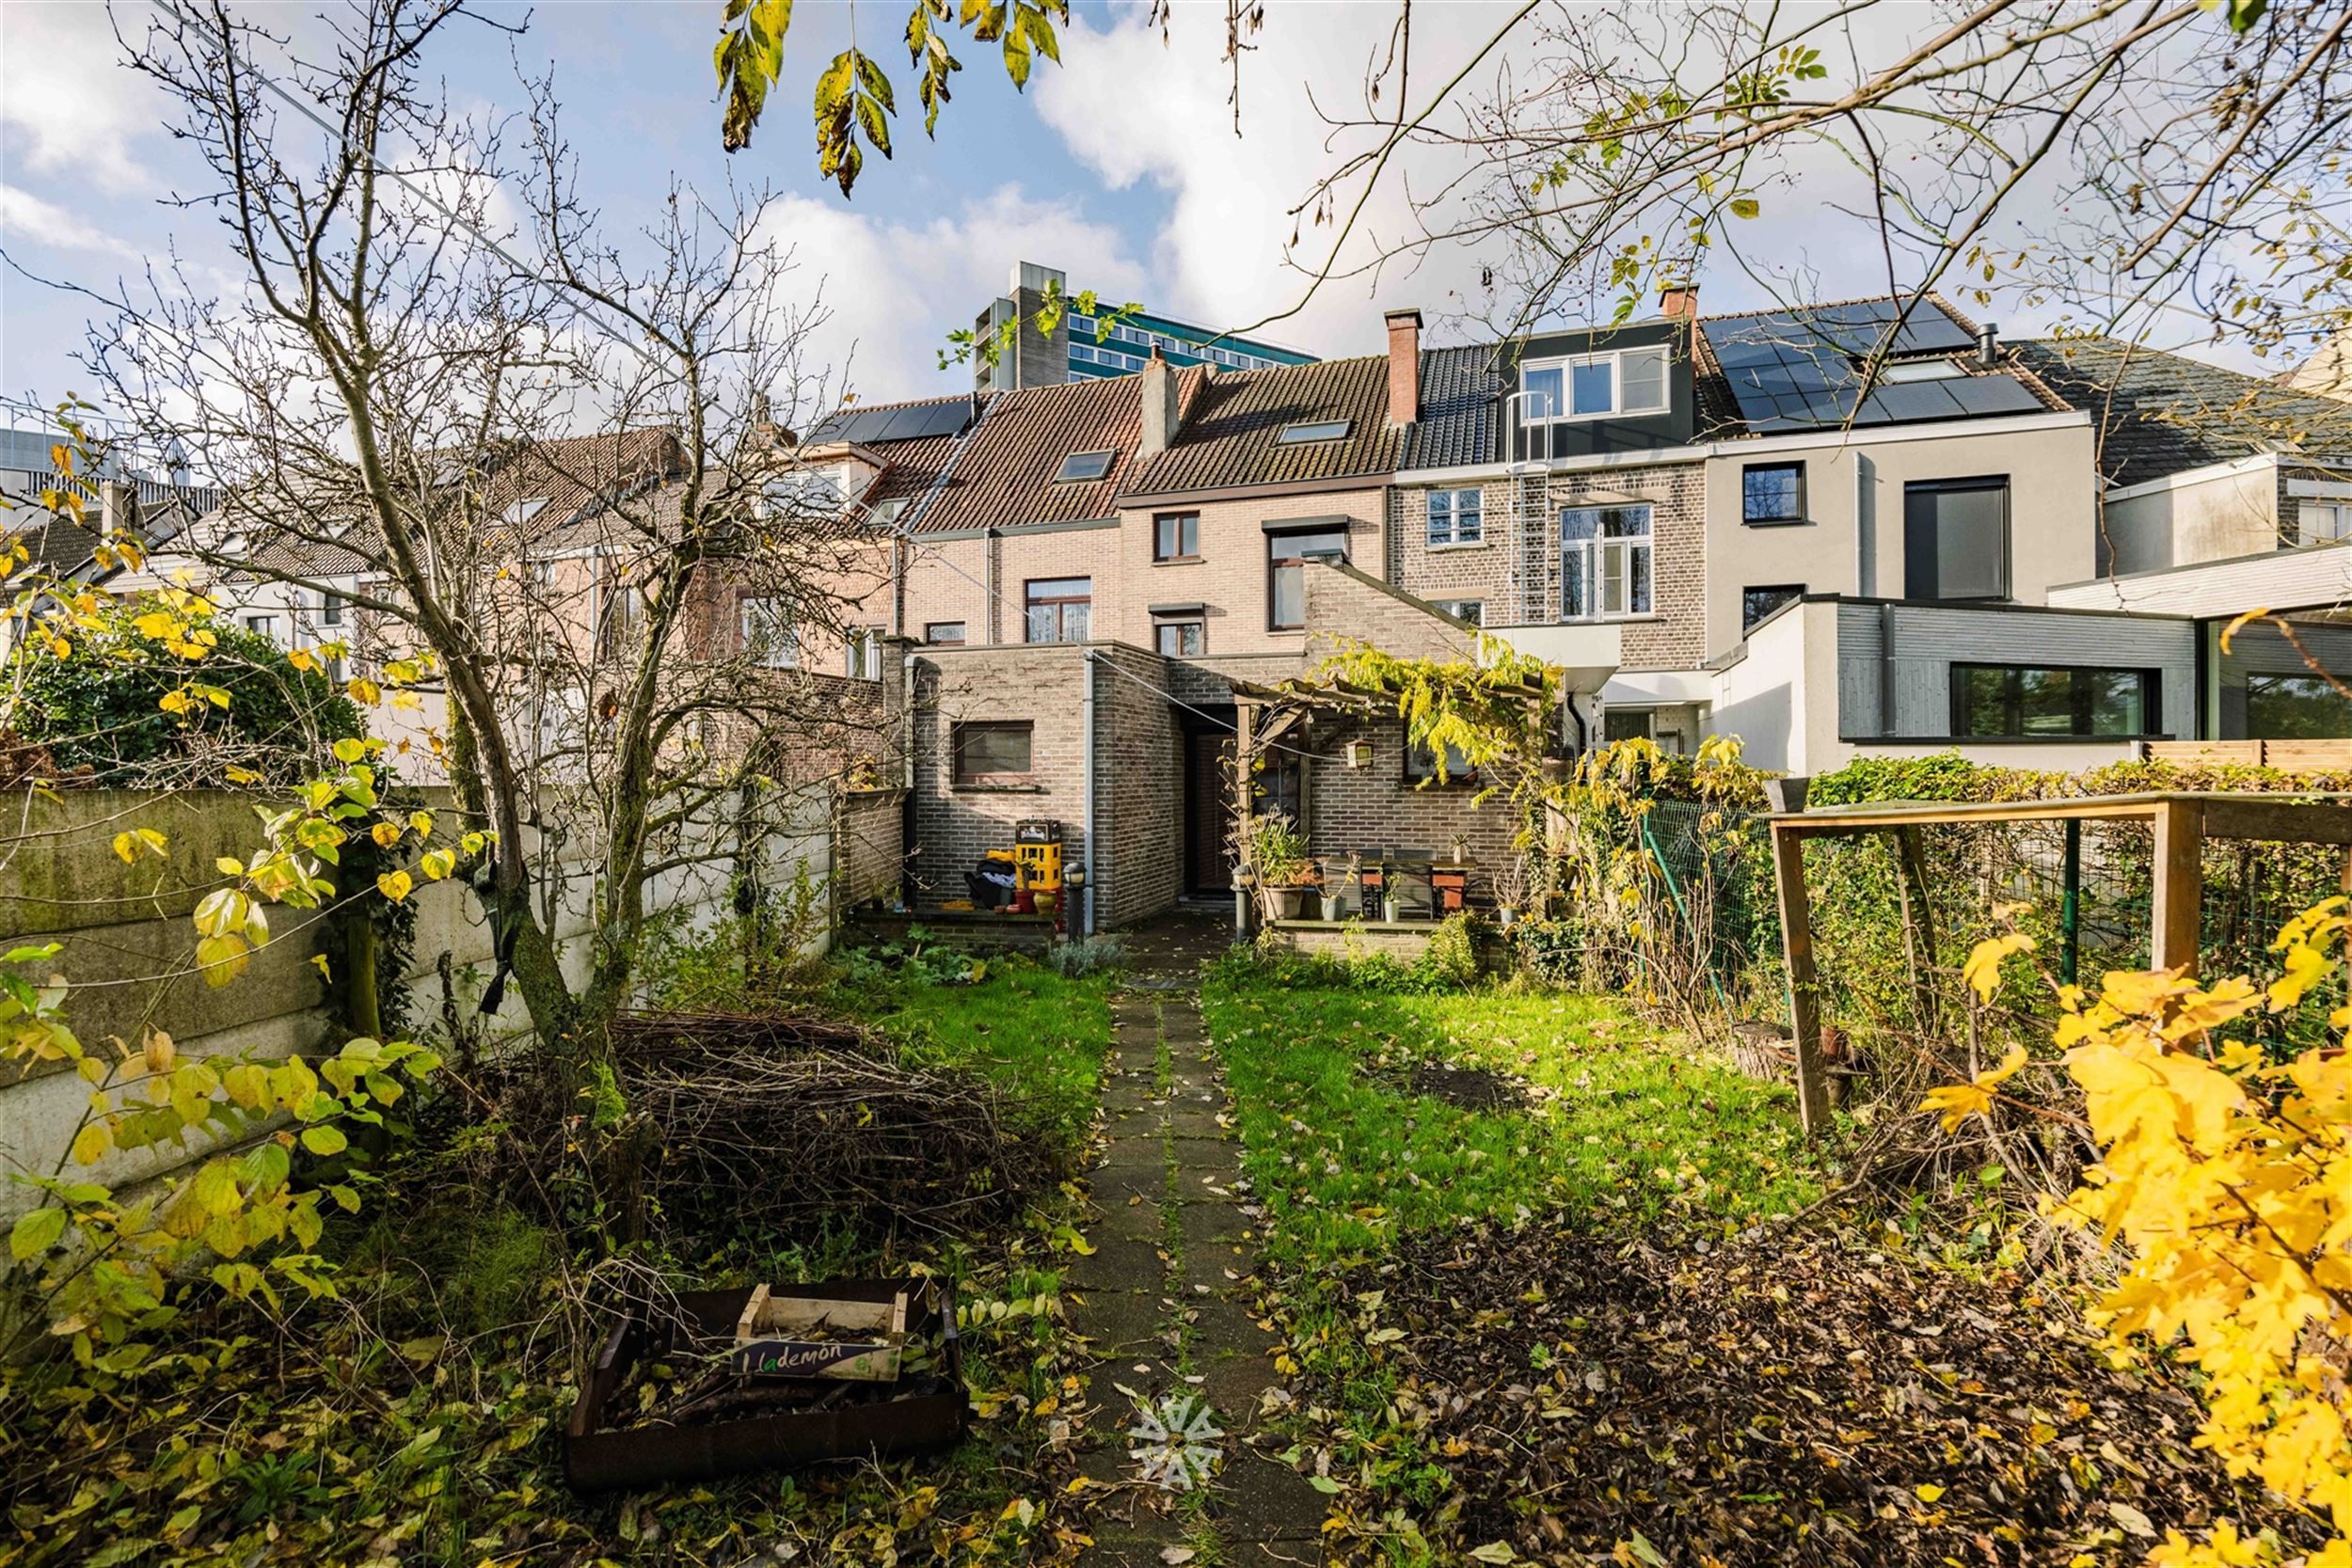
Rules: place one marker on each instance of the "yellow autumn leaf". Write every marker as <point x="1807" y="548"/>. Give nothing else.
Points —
<point x="2305" y="968"/>
<point x="385" y="833"/>
<point x="1983" y="969"/>
<point x="1957" y="1103"/>
<point x="363" y="690"/>
<point x="394" y="885"/>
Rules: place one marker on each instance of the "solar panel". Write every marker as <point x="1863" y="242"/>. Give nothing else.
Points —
<point x="1994" y="394"/>
<point x="1793" y="370"/>
<point x="905" y="424"/>
<point x="949" y="418"/>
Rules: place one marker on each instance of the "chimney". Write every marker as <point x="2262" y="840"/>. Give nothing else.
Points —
<point x="1161" y="419"/>
<point x="118" y="509"/>
<point x="1678" y="301"/>
<point x="1404" y="366"/>
<point x="1988" y="347"/>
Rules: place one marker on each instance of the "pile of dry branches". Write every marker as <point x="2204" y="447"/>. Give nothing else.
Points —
<point x="778" y="1123"/>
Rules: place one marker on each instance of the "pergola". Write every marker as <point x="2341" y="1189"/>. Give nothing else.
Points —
<point x="2181" y="823"/>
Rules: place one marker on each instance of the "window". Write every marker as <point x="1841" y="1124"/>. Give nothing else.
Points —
<point x="771" y="635"/>
<point x="1420" y="764"/>
<point x="1181" y="638"/>
<point x="330" y="609"/>
<point x="522" y="512"/>
<point x="1472" y="611"/>
<point x="992" y="754"/>
<point x="2012" y="701"/>
<point x="1311" y="430"/>
<point x="863" y="654"/>
<point x="262" y="626"/>
<point x="1453" y="517"/>
<point x="1604" y="562"/>
<point x="2295" y="707"/>
<point x="1771" y="493"/>
<point x="543" y="573"/>
<point x="1286" y="574"/>
<point x="1176" y="536"/>
<point x="1593" y="386"/>
<point x="1625" y="723"/>
<point x="1757" y="603"/>
<point x="1956" y="539"/>
<point x="804" y="490"/>
<point x="617" y="616"/>
<point x="1919" y="369"/>
<point x="2321" y="521"/>
<point x="1084" y="464"/>
<point x="944" y="633"/>
<point x="1059" y="608"/>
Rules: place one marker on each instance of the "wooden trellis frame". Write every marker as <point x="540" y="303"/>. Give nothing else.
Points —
<point x="2181" y="822"/>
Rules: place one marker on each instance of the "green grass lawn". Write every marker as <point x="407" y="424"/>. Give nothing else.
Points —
<point x="1616" y="1128"/>
<point x="1041" y="1037"/>
<point x="1620" y="1124"/>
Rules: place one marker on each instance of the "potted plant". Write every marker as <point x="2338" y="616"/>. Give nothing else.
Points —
<point x="1335" y="893"/>
<point x="1511" y="882"/>
<point x="1285" y="872"/>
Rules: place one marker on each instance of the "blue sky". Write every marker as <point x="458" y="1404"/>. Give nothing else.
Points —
<point x="1123" y="170"/>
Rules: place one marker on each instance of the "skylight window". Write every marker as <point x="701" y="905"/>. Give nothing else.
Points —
<point x="1318" y="430"/>
<point x="1919" y="369"/>
<point x="1084" y="464"/>
<point x="523" y="511"/>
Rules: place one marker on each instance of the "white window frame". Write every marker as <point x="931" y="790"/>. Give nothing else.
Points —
<point x="1609" y="560"/>
<point x="862" y="652"/>
<point x="1614" y="359"/>
<point x="1454" y="537"/>
<point x="774" y="613"/>
<point x="2318" y="520"/>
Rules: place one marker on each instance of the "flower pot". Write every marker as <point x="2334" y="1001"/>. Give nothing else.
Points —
<point x="1789" y="794"/>
<point x="1507" y="917"/>
<point x="1332" y="903"/>
<point x="1048" y="902"/>
<point x="1290" y="903"/>
<point x="1392" y="910"/>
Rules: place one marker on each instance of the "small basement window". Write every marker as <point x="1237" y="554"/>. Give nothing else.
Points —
<point x="1312" y="430"/>
<point x="944" y="633"/>
<point x="994" y="752"/>
<point x="1083" y="465"/>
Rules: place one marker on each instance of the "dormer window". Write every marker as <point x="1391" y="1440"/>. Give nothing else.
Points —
<point x="805" y="490"/>
<point x="236" y="543"/>
<point x="1084" y="466"/>
<point x="1594" y="386"/>
<point x="523" y="511"/>
<point x="1314" y="430"/>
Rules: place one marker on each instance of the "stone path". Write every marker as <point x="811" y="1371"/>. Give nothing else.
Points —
<point x="1164" y="1300"/>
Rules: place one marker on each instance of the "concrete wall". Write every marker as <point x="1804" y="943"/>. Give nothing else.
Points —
<point x="121" y="927"/>
<point x="2210" y="514"/>
<point x="1851" y="539"/>
<point x="1895" y="661"/>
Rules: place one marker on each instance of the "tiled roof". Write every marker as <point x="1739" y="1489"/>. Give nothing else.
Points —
<point x="913" y="467"/>
<point x="1458" y="391"/>
<point x="2157" y="412"/>
<point x="1005" y="474"/>
<point x="1232" y="424"/>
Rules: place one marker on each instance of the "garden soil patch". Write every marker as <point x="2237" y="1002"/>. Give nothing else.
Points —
<point x="1471" y="1089"/>
<point x="1786" y="1400"/>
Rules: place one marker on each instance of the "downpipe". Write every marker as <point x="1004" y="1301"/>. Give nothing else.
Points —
<point x="1086" y="749"/>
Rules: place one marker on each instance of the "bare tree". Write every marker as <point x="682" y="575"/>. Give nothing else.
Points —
<point x="2121" y="162"/>
<point x="539" y="464"/>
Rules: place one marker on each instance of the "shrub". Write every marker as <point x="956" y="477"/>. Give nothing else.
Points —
<point x="102" y="706"/>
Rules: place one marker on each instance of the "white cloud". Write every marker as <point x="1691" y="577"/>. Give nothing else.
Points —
<point x="896" y="290"/>
<point x="1224" y="256"/>
<point x="70" y="107"/>
<point x="26" y="220"/>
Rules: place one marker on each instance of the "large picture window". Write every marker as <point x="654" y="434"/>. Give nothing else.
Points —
<point x="1604" y="562"/>
<point x="997" y="753"/>
<point x="2295" y="707"/>
<point x="2020" y="701"/>
<point x="1956" y="539"/>
<point x="1059" y="608"/>
<point x="1286" y="572"/>
<point x="1595" y="386"/>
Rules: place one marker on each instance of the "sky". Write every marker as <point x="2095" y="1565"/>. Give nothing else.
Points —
<point x="1122" y="169"/>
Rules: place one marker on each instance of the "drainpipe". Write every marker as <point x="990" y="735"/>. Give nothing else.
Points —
<point x="988" y="586"/>
<point x="1086" y="749"/>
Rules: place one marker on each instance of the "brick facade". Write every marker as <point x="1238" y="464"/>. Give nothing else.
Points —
<point x="1232" y="575"/>
<point x="1671" y="637"/>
